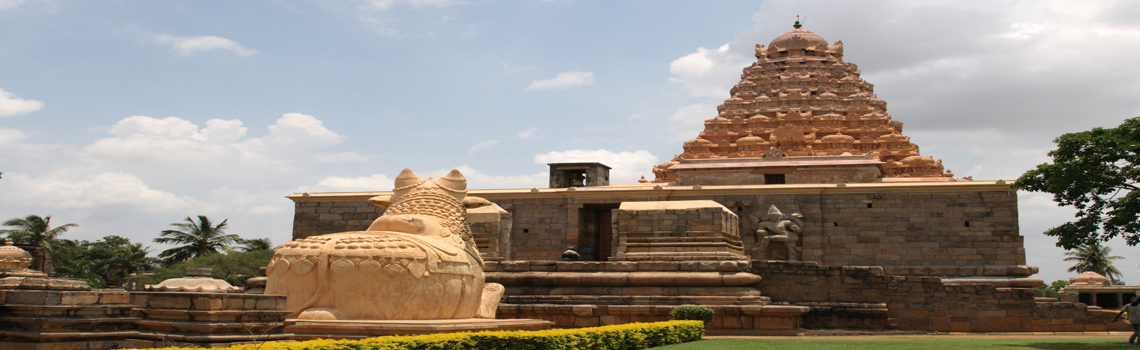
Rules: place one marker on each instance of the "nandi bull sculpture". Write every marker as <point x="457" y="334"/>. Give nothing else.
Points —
<point x="416" y="261"/>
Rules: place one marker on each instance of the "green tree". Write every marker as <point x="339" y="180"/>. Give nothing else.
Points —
<point x="233" y="267"/>
<point x="102" y="263"/>
<point x="1097" y="172"/>
<point x="1096" y="258"/>
<point x="1053" y="290"/>
<point x="250" y="245"/>
<point x="195" y="239"/>
<point x="34" y="230"/>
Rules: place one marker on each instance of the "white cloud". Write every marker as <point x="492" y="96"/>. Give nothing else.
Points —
<point x="62" y="190"/>
<point x="10" y="105"/>
<point x="375" y="182"/>
<point x="477" y="179"/>
<point x="387" y="4"/>
<point x="4" y="4"/>
<point x="189" y="45"/>
<point x="341" y="157"/>
<point x="688" y="121"/>
<point x="527" y="134"/>
<point x="626" y="167"/>
<point x="482" y="146"/>
<point x="708" y="73"/>
<point x="148" y="172"/>
<point x="296" y="131"/>
<point x="220" y="150"/>
<point x="9" y="137"/>
<point x="563" y="80"/>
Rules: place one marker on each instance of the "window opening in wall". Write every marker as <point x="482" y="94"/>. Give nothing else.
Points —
<point x="868" y="205"/>
<point x="576" y="178"/>
<point x="739" y="209"/>
<point x="774" y="179"/>
<point x="526" y="230"/>
<point x="967" y="224"/>
<point x="836" y="224"/>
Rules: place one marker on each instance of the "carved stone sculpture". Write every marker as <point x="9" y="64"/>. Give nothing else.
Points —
<point x="778" y="229"/>
<point x="416" y="261"/>
<point x="197" y="280"/>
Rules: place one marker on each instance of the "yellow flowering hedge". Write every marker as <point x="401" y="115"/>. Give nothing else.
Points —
<point x="615" y="337"/>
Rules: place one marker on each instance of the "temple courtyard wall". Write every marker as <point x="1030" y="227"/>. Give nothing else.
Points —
<point x="935" y="229"/>
<point x="929" y="256"/>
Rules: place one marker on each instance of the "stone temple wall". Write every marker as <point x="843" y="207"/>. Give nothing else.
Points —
<point x="864" y="297"/>
<point x="937" y="229"/>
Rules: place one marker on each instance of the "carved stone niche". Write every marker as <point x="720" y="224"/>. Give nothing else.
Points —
<point x="778" y="235"/>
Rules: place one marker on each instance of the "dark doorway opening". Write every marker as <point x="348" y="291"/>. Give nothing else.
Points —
<point x="595" y="231"/>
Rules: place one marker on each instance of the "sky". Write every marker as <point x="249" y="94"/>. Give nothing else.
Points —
<point x="124" y="116"/>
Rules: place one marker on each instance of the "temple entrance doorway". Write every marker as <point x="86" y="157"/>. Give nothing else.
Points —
<point x="595" y="233"/>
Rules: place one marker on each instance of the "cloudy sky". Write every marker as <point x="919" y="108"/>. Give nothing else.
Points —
<point x="124" y="116"/>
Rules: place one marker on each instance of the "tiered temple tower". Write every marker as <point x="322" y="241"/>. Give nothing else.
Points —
<point x="801" y="101"/>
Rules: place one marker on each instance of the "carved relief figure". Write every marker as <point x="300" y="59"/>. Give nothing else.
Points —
<point x="778" y="229"/>
<point x="416" y="261"/>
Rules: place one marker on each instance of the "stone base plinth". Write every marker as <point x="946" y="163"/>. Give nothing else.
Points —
<point x="676" y="230"/>
<point x="208" y="319"/>
<point x="65" y="319"/>
<point x="306" y="330"/>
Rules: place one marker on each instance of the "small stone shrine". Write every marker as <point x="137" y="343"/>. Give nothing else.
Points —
<point x="1094" y="289"/>
<point x="40" y="312"/>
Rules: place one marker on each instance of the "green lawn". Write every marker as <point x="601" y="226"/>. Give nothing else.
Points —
<point x="930" y="342"/>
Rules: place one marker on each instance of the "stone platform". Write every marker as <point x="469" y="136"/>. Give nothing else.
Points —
<point x="307" y="330"/>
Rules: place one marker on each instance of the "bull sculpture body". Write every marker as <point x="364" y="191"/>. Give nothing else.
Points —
<point x="416" y="261"/>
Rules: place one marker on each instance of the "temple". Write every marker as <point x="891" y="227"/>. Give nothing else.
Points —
<point x="800" y="114"/>
<point x="801" y="205"/>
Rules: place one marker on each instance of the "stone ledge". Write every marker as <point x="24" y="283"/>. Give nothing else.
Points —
<point x="624" y="278"/>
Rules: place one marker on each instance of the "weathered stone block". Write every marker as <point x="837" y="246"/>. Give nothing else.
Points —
<point x="169" y="302"/>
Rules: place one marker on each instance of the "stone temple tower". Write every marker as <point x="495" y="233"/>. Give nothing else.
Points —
<point x="801" y="104"/>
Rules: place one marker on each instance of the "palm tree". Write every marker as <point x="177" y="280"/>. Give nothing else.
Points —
<point x="1094" y="257"/>
<point x="195" y="239"/>
<point x="250" y="245"/>
<point x="34" y="230"/>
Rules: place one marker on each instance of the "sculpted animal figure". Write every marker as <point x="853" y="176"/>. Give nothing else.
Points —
<point x="416" y="261"/>
<point x="778" y="229"/>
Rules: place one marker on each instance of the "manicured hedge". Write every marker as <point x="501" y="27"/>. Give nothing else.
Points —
<point x="693" y="312"/>
<point x="617" y="337"/>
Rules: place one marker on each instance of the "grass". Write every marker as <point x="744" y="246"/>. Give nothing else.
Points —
<point x="916" y="342"/>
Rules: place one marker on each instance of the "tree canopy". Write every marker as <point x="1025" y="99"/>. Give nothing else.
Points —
<point x="1097" y="172"/>
<point x="233" y="267"/>
<point x="195" y="239"/>
<point x="1096" y="258"/>
<point x="34" y="230"/>
<point x="104" y="263"/>
<point x="252" y="245"/>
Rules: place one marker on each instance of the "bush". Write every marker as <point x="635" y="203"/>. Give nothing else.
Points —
<point x="692" y="312"/>
<point x="616" y="337"/>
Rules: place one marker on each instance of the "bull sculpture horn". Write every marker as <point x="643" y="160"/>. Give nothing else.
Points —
<point x="407" y="178"/>
<point x="454" y="183"/>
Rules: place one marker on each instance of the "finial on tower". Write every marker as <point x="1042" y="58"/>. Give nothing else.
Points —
<point x="797" y="25"/>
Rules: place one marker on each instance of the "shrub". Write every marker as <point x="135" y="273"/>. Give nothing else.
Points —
<point x="693" y="312"/>
<point x="615" y="337"/>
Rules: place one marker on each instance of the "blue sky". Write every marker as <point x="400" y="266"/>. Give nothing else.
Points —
<point x="125" y="116"/>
